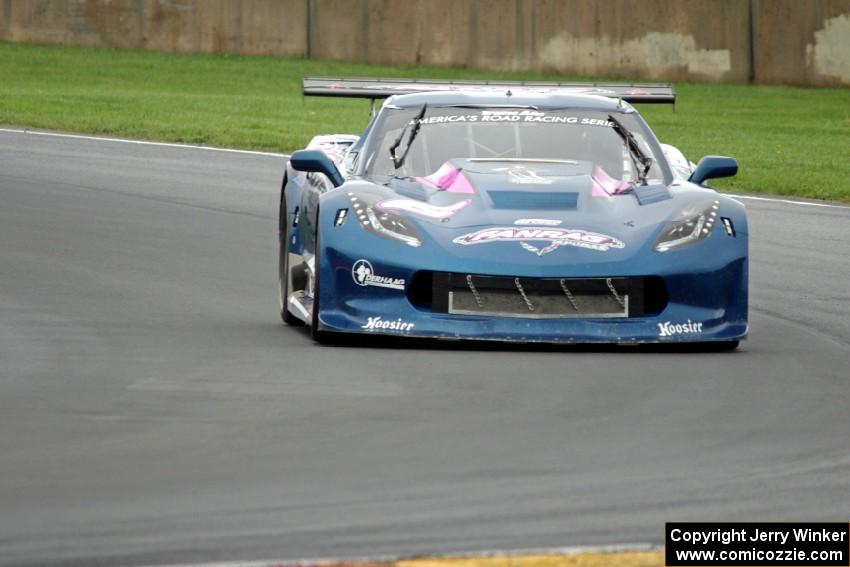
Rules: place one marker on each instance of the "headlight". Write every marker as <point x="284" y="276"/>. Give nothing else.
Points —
<point x="689" y="226"/>
<point x="383" y="223"/>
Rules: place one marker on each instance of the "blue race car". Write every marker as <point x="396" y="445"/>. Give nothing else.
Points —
<point x="524" y="212"/>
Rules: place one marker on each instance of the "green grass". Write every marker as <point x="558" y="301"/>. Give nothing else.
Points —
<point x="788" y="141"/>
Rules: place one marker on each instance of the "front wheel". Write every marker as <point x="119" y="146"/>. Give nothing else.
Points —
<point x="284" y="277"/>
<point x="315" y="333"/>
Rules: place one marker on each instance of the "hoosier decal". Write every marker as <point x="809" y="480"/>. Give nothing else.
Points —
<point x="380" y="323"/>
<point x="668" y="329"/>
<point x="556" y="237"/>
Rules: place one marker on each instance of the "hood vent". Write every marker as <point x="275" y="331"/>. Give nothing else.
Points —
<point x="648" y="194"/>
<point x="527" y="200"/>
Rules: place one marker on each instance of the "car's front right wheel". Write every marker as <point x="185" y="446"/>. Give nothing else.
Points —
<point x="317" y="334"/>
<point x="284" y="276"/>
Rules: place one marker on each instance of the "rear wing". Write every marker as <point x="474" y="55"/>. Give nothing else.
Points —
<point x="356" y="87"/>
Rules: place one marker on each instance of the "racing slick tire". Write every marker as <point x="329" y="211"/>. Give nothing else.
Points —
<point x="315" y="333"/>
<point x="283" y="265"/>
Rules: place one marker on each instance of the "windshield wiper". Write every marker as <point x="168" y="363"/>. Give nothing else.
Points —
<point x="398" y="161"/>
<point x="635" y="151"/>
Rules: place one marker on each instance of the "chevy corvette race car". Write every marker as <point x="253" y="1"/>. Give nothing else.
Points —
<point x="510" y="211"/>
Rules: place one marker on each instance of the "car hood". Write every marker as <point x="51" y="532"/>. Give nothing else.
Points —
<point x="474" y="192"/>
<point x="532" y="203"/>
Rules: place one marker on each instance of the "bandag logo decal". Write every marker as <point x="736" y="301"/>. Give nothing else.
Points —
<point x="556" y="237"/>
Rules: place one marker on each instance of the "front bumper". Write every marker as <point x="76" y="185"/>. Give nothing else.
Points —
<point x="703" y="303"/>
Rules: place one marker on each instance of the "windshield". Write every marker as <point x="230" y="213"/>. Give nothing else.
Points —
<point x="505" y="133"/>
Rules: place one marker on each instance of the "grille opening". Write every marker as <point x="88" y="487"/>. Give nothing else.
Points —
<point x="654" y="295"/>
<point x="419" y="289"/>
<point x="509" y="296"/>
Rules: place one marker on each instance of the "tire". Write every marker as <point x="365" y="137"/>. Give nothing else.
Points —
<point x="723" y="346"/>
<point x="283" y="267"/>
<point x="315" y="333"/>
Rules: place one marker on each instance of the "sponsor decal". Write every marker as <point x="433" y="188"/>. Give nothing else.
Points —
<point x="379" y="323"/>
<point x="423" y="209"/>
<point x="521" y="175"/>
<point x="364" y="275"/>
<point x="556" y="237"/>
<point x="516" y="116"/>
<point x="538" y="222"/>
<point x="668" y="329"/>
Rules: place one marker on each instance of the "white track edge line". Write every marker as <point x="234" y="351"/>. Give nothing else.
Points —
<point x="274" y="154"/>
<point x="140" y="142"/>
<point x="785" y="201"/>
<point x="570" y="550"/>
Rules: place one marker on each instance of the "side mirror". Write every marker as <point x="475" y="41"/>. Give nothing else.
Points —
<point x="713" y="167"/>
<point x="317" y="161"/>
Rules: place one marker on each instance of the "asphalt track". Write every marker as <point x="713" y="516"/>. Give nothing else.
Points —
<point x="154" y="410"/>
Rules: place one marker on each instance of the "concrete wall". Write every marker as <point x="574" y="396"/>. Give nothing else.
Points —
<point x="802" y="42"/>
<point x="256" y="27"/>
<point x="667" y="39"/>
<point x="771" y="41"/>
